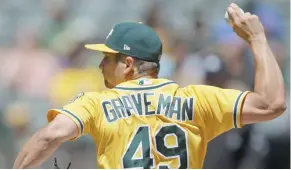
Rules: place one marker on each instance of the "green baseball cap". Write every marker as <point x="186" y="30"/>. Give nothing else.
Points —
<point x="132" y="39"/>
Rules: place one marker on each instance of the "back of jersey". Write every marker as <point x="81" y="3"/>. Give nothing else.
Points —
<point x="148" y="124"/>
<point x="153" y="123"/>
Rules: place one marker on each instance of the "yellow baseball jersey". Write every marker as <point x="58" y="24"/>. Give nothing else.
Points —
<point x="153" y="123"/>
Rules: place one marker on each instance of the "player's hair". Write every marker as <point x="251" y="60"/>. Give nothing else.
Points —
<point x="147" y="67"/>
<point x="143" y="67"/>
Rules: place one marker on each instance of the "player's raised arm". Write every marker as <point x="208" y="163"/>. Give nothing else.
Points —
<point x="268" y="99"/>
<point x="45" y="142"/>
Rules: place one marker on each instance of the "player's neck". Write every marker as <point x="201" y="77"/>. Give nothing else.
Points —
<point x="148" y="76"/>
<point x="140" y="76"/>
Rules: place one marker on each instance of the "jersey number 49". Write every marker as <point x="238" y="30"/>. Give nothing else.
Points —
<point x="142" y="137"/>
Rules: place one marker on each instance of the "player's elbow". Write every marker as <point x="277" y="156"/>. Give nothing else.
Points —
<point x="59" y="130"/>
<point x="278" y="107"/>
<point x="258" y="109"/>
<point x="275" y="109"/>
<point x="54" y="133"/>
<point x="45" y="138"/>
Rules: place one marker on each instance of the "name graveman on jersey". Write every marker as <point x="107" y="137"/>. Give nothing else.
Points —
<point x="143" y="121"/>
<point x="139" y="103"/>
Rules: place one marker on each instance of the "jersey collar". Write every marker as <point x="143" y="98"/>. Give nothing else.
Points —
<point x="143" y="84"/>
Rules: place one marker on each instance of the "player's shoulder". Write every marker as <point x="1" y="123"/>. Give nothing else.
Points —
<point x="197" y="88"/>
<point x="206" y="90"/>
<point x="103" y="94"/>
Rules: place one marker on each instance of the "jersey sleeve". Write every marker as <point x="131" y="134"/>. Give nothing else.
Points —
<point x="82" y="110"/>
<point x="217" y="110"/>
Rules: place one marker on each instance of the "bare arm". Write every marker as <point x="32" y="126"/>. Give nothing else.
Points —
<point x="268" y="99"/>
<point x="45" y="142"/>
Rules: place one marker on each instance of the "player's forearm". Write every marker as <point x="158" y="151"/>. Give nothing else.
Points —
<point x="37" y="150"/>
<point x="268" y="77"/>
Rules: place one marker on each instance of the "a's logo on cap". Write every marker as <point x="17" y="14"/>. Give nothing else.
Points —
<point x="111" y="31"/>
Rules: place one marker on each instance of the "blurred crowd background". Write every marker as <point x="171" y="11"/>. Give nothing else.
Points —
<point x="44" y="65"/>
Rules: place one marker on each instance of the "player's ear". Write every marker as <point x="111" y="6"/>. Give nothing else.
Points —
<point x="129" y="62"/>
<point x="129" y="66"/>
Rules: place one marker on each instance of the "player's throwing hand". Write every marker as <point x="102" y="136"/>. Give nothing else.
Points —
<point x="246" y="25"/>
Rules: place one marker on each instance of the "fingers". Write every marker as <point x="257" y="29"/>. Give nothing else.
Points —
<point x="247" y="14"/>
<point x="237" y="10"/>
<point x="255" y="17"/>
<point x="238" y="17"/>
<point x="232" y="15"/>
<point x="245" y="25"/>
<point x="235" y="13"/>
